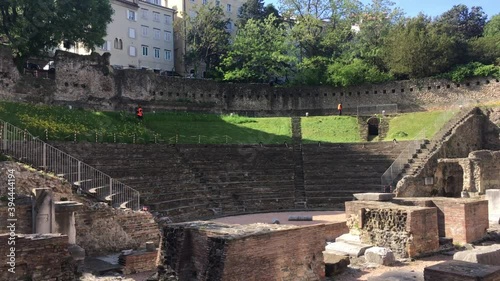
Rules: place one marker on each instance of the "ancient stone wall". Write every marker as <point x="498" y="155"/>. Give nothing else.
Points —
<point x="408" y="231"/>
<point x="487" y="164"/>
<point x="101" y="229"/>
<point x="24" y="223"/>
<point x="260" y="252"/>
<point x="465" y="138"/>
<point x="89" y="81"/>
<point x="37" y="257"/>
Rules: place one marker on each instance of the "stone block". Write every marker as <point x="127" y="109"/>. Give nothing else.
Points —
<point x="334" y="264"/>
<point x="485" y="255"/>
<point x="373" y="196"/>
<point x="461" y="271"/>
<point x="380" y="255"/>
<point x="350" y="249"/>
<point x="493" y="197"/>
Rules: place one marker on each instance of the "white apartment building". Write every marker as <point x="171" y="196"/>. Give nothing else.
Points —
<point x="140" y="35"/>
<point x="231" y="9"/>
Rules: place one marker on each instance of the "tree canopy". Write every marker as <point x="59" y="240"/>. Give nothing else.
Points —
<point x="31" y="27"/>
<point x="206" y="36"/>
<point x="260" y="52"/>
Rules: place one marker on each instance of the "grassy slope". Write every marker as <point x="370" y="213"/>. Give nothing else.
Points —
<point x="62" y="123"/>
<point x="330" y="129"/>
<point x="408" y="126"/>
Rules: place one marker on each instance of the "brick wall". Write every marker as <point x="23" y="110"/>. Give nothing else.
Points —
<point x="139" y="261"/>
<point x="24" y="217"/>
<point x="41" y="258"/>
<point x="260" y="252"/>
<point x="464" y="220"/>
<point x="104" y="230"/>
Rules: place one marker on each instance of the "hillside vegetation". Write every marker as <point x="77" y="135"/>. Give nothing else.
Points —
<point x="64" y="124"/>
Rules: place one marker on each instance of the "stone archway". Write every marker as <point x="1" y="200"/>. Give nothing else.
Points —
<point x="373" y="126"/>
<point x="450" y="177"/>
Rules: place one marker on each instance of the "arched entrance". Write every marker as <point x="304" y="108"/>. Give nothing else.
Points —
<point x="373" y="124"/>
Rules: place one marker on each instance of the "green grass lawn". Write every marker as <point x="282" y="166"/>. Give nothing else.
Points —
<point x="61" y="123"/>
<point x="333" y="129"/>
<point x="408" y="126"/>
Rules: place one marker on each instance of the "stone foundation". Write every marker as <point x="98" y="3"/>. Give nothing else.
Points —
<point x="138" y="261"/>
<point x="409" y="231"/>
<point x="260" y="252"/>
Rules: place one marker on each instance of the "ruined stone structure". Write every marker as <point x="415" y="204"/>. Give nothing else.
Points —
<point x="412" y="226"/>
<point x="259" y="252"/>
<point x="458" y="164"/>
<point x="89" y="81"/>
<point x="408" y="231"/>
<point x="99" y="228"/>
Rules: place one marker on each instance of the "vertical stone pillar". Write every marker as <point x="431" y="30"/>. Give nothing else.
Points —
<point x="65" y="218"/>
<point x="43" y="211"/>
<point x="466" y="165"/>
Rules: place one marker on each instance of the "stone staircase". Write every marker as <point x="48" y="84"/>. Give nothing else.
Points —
<point x="429" y="147"/>
<point x="300" y="192"/>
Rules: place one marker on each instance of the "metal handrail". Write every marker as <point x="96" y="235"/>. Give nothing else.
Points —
<point x="29" y="149"/>
<point x="398" y="165"/>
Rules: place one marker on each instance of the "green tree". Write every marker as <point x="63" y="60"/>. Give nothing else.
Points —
<point x="356" y="72"/>
<point x="486" y="49"/>
<point x="492" y="27"/>
<point x="255" y="9"/>
<point x="259" y="53"/>
<point x="206" y="37"/>
<point x="416" y="49"/>
<point x="375" y="22"/>
<point x="32" y="27"/>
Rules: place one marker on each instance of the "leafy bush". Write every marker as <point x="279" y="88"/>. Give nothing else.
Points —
<point x="462" y="72"/>
<point x="357" y="72"/>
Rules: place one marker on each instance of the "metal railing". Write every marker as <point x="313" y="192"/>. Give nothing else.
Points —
<point x="29" y="149"/>
<point x="396" y="168"/>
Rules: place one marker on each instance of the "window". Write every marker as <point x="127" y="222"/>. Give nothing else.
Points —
<point x="156" y="2"/>
<point x="168" y="36"/>
<point x="228" y="7"/>
<point x="131" y="51"/>
<point x="156" y="34"/>
<point x="118" y="44"/>
<point x="204" y="2"/>
<point x="192" y="14"/>
<point x="131" y="15"/>
<point x="229" y="26"/>
<point x="168" y="19"/>
<point x="157" y="53"/>
<point x="131" y="32"/>
<point x="145" y="13"/>
<point x="168" y="55"/>
<point x="156" y="16"/>
<point x="145" y="50"/>
<point x="106" y="46"/>
<point x="145" y="30"/>
<point x="217" y="3"/>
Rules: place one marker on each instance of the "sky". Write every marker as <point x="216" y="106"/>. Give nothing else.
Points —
<point x="434" y="7"/>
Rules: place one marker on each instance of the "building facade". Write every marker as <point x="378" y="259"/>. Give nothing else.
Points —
<point x="140" y="35"/>
<point x="189" y="7"/>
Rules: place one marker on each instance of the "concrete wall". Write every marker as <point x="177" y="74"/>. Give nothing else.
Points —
<point x="88" y="81"/>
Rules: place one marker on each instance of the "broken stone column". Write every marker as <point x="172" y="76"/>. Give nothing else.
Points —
<point x="43" y="211"/>
<point x="65" y="218"/>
